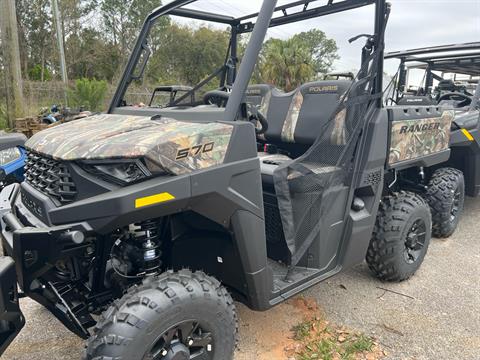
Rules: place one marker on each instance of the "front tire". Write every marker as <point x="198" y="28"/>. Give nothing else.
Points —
<point x="400" y="238"/>
<point x="445" y="196"/>
<point x="180" y="315"/>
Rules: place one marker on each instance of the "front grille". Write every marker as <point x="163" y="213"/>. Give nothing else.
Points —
<point x="51" y="177"/>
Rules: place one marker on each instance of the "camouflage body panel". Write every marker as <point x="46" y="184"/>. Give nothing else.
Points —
<point x="415" y="138"/>
<point x="177" y="147"/>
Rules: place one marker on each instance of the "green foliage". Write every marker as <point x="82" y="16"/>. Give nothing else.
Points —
<point x="302" y="330"/>
<point x="317" y="340"/>
<point x="88" y="93"/>
<point x="35" y="35"/>
<point x="187" y="55"/>
<point x="358" y="344"/>
<point x="301" y="58"/>
<point x="39" y="73"/>
<point x="99" y="35"/>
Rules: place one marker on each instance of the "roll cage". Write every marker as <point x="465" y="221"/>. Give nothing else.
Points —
<point x="457" y="59"/>
<point x="257" y="24"/>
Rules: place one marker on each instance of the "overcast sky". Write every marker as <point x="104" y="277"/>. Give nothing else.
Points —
<point x="413" y="24"/>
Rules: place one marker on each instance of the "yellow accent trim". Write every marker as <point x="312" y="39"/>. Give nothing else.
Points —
<point x="153" y="199"/>
<point x="467" y="134"/>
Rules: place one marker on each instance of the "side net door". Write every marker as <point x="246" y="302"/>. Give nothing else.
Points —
<point x="313" y="191"/>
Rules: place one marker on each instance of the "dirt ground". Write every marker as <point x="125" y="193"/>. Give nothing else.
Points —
<point x="435" y="315"/>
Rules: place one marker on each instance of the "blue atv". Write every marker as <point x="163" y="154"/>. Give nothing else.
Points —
<point x="12" y="158"/>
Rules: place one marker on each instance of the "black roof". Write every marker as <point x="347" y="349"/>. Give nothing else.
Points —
<point x="467" y="66"/>
<point x="456" y="58"/>
<point x="283" y="14"/>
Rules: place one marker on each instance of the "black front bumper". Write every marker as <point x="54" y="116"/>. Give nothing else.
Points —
<point x="33" y="250"/>
<point x="11" y="318"/>
<point x="34" y="246"/>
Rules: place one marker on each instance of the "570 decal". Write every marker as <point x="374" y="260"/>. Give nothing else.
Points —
<point x="194" y="150"/>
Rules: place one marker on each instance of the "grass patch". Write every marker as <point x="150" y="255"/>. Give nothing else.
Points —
<point x="302" y="330"/>
<point x="316" y="339"/>
<point x="359" y="344"/>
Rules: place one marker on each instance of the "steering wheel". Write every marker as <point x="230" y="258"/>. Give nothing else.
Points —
<point x="220" y="98"/>
<point x="464" y="99"/>
<point x="257" y="118"/>
<point x="216" y="97"/>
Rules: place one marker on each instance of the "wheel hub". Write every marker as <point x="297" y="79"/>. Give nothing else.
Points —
<point x="415" y="241"/>
<point x="412" y="239"/>
<point x="185" y="341"/>
<point x="178" y="351"/>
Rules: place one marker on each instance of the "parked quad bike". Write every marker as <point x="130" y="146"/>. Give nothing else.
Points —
<point x="12" y="158"/>
<point x="56" y="114"/>
<point x="259" y="193"/>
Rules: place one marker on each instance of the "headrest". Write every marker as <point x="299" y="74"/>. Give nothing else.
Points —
<point x="326" y="87"/>
<point x="258" y="90"/>
<point x="416" y="100"/>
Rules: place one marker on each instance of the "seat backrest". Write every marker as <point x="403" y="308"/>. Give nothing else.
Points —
<point x="299" y="117"/>
<point x="446" y="85"/>
<point x="259" y="95"/>
<point x="278" y="109"/>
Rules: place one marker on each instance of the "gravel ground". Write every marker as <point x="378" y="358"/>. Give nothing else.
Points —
<point x="438" y="315"/>
<point x="434" y="315"/>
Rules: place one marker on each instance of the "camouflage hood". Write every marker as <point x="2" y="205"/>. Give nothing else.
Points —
<point x="178" y="147"/>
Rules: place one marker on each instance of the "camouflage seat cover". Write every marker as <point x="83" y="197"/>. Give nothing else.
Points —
<point x="309" y="109"/>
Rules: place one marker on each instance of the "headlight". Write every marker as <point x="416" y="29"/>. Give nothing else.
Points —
<point x="122" y="173"/>
<point x="9" y="155"/>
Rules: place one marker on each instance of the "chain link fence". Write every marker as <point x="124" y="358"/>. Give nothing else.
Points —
<point x="39" y="95"/>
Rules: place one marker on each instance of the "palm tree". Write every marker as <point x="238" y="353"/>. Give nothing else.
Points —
<point x="299" y="59"/>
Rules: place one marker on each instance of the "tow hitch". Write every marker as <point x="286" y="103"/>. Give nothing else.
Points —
<point x="11" y="318"/>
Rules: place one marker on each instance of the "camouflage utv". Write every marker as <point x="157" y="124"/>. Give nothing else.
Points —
<point x="456" y="71"/>
<point x="136" y="228"/>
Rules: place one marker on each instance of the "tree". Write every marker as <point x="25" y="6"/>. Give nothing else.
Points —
<point x="187" y="55"/>
<point x="322" y="49"/>
<point x="88" y="93"/>
<point x="75" y="23"/>
<point x="301" y="58"/>
<point x="100" y="34"/>
<point x="122" y="20"/>
<point x="36" y="36"/>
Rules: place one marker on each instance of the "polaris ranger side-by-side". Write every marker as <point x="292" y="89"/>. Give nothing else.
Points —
<point x="456" y="71"/>
<point x="155" y="218"/>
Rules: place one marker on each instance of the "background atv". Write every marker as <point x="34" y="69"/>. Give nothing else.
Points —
<point x="260" y="193"/>
<point x="456" y="71"/>
<point x="12" y="158"/>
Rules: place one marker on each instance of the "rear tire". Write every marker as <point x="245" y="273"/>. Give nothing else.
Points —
<point x="400" y="237"/>
<point x="445" y="196"/>
<point x="173" y="315"/>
